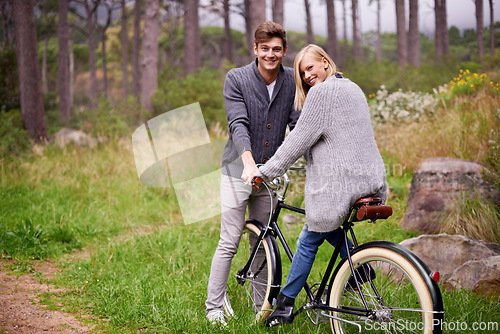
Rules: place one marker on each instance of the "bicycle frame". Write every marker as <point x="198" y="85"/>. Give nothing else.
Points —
<point x="315" y="301"/>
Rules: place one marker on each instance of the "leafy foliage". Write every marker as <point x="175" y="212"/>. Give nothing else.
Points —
<point x="467" y="83"/>
<point x="15" y="139"/>
<point x="204" y="86"/>
<point x="9" y="82"/>
<point x="110" y="120"/>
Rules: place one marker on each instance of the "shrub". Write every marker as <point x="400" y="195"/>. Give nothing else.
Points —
<point x="9" y="83"/>
<point x="470" y="66"/>
<point x="14" y="138"/>
<point x="108" y="120"/>
<point x="467" y="83"/>
<point x="204" y="86"/>
<point x="400" y="106"/>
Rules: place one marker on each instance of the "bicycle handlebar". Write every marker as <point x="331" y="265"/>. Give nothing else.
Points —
<point x="276" y="182"/>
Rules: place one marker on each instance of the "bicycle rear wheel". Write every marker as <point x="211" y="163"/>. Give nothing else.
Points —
<point x="252" y="292"/>
<point x="399" y="297"/>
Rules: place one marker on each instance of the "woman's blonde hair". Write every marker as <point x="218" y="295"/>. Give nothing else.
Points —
<point x="301" y="87"/>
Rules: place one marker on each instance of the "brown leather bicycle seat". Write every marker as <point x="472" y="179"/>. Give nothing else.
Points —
<point x="368" y="200"/>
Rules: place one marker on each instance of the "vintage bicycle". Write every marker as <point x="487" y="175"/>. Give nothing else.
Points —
<point x="379" y="286"/>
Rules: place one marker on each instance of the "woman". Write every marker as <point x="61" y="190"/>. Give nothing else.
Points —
<point x="343" y="161"/>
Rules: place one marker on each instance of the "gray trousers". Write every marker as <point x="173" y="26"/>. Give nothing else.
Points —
<point x="235" y="198"/>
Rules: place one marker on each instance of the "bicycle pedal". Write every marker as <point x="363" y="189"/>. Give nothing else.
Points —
<point x="273" y="323"/>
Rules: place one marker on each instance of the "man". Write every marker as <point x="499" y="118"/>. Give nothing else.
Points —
<point x="259" y="101"/>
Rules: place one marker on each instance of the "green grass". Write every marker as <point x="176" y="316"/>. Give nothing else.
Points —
<point x="474" y="218"/>
<point x="69" y="198"/>
<point x="147" y="271"/>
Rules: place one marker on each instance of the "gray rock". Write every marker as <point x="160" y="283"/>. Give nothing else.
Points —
<point x="481" y="276"/>
<point x="461" y="261"/>
<point x="437" y="184"/>
<point x="66" y="136"/>
<point x="445" y="253"/>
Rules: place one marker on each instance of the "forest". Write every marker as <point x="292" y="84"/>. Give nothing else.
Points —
<point x="82" y="238"/>
<point x="110" y="50"/>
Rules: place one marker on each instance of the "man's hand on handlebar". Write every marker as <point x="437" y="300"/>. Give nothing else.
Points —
<point x="254" y="182"/>
<point x="251" y="178"/>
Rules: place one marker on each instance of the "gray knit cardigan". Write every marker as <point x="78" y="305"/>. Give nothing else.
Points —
<point x="256" y="122"/>
<point x="344" y="163"/>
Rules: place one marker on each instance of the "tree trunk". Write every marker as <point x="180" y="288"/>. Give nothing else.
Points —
<point x="174" y="13"/>
<point x="258" y="14"/>
<point x="437" y="31"/>
<point x="30" y="87"/>
<point x="441" y="31"/>
<point x="309" y="35"/>
<point x="356" y="41"/>
<point x="7" y="24"/>
<point x="378" y="47"/>
<point x="492" y="30"/>
<point x="332" y="44"/>
<point x="90" y="10"/>
<point x="63" y="82"/>
<point x="445" y="39"/>
<point x="71" y="73"/>
<point x="480" y="29"/>
<point x="124" y="49"/>
<point x="401" y="33"/>
<point x="278" y="11"/>
<point x="228" y="45"/>
<point x="103" y="29"/>
<point x="136" y="49"/>
<point x="248" y="28"/>
<point x="104" y="66"/>
<point x="45" y="86"/>
<point x="414" y="35"/>
<point x="192" y="39"/>
<point x="150" y="52"/>
<point x="255" y="14"/>
<point x="344" y="15"/>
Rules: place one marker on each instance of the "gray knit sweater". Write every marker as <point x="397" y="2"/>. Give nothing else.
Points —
<point x="256" y="122"/>
<point x="344" y="163"/>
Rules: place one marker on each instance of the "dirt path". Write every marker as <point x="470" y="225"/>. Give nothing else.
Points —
<point x="20" y="311"/>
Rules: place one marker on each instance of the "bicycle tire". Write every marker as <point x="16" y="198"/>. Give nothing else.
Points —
<point x="410" y="301"/>
<point x="258" y="290"/>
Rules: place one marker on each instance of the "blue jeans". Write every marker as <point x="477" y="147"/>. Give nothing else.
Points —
<point x="307" y="247"/>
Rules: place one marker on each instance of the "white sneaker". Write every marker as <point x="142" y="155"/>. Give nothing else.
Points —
<point x="216" y="317"/>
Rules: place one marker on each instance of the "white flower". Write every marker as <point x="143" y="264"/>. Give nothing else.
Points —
<point x="401" y="105"/>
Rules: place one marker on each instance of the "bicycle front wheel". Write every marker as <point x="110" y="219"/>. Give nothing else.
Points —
<point x="398" y="297"/>
<point x="251" y="291"/>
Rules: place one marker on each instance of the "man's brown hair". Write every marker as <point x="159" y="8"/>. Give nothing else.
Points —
<point x="268" y="30"/>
